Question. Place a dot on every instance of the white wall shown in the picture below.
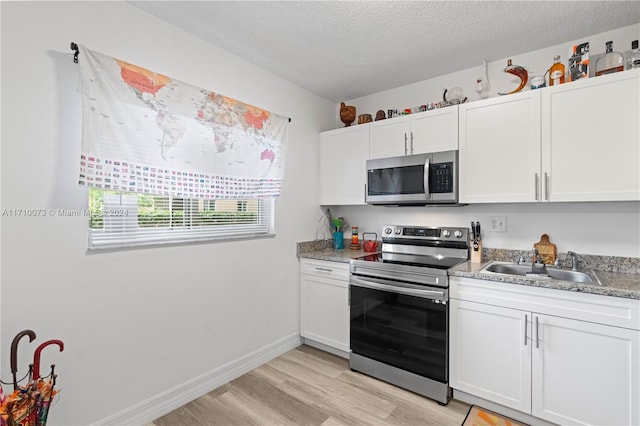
(588, 228)
(611, 229)
(140, 322)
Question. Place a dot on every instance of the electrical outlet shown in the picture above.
(498, 223)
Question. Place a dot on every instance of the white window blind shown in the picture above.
(119, 219)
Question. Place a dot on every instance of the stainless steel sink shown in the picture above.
(508, 268)
(573, 276)
(524, 269)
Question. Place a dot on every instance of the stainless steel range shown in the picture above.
(399, 308)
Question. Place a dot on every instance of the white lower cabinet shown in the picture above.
(488, 356)
(585, 373)
(324, 303)
(562, 357)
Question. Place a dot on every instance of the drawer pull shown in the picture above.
(323, 269)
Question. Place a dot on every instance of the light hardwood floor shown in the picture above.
(306, 386)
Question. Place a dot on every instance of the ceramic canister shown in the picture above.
(537, 82)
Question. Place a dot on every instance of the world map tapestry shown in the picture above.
(149, 133)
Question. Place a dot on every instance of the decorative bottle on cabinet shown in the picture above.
(611, 61)
(556, 72)
(634, 56)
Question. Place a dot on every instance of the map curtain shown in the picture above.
(149, 133)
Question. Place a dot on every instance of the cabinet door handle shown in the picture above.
(323, 269)
(526, 320)
(535, 184)
(546, 186)
(411, 143)
(405, 144)
(537, 340)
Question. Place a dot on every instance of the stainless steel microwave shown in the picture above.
(418, 179)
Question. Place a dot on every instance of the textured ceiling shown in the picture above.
(347, 49)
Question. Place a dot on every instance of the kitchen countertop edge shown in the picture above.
(614, 283)
(332, 255)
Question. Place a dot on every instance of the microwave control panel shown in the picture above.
(441, 178)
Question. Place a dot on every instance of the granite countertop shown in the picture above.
(618, 284)
(323, 250)
(619, 277)
(333, 255)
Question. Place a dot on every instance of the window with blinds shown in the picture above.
(119, 219)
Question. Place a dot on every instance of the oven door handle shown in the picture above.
(423, 293)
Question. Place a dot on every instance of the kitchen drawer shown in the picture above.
(606, 310)
(323, 268)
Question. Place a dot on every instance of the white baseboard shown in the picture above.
(326, 348)
(167, 401)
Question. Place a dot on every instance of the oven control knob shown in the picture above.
(387, 231)
(398, 231)
(446, 233)
(458, 234)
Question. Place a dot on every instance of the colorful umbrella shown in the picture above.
(29, 405)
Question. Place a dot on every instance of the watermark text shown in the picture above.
(51, 212)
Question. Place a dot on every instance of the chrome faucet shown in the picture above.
(537, 260)
(519, 260)
(574, 261)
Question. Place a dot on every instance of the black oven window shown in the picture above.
(407, 332)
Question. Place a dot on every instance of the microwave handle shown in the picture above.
(427, 165)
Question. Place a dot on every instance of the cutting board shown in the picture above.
(547, 250)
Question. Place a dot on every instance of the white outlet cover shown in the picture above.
(498, 223)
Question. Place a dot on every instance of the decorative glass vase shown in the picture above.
(338, 240)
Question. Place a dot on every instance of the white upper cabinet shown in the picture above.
(591, 139)
(343, 168)
(390, 137)
(435, 131)
(579, 141)
(500, 149)
(429, 131)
